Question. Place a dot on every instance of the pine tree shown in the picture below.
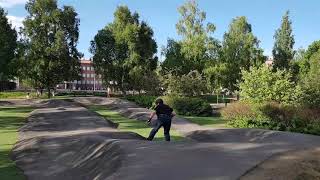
(283, 51)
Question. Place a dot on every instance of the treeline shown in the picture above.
(45, 53)
(124, 53)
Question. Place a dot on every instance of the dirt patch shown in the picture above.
(295, 165)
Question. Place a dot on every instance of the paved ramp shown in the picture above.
(65, 141)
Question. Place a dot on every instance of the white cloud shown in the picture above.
(16, 21)
(10, 3)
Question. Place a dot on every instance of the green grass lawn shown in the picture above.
(32, 95)
(216, 122)
(11, 118)
(132, 125)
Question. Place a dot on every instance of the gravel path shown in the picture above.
(63, 140)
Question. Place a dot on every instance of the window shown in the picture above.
(92, 75)
(83, 68)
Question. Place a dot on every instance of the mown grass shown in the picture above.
(131, 125)
(11, 118)
(216, 122)
(32, 95)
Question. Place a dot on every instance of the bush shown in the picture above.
(261, 84)
(213, 98)
(273, 116)
(142, 100)
(188, 106)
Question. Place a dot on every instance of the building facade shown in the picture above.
(89, 79)
(269, 61)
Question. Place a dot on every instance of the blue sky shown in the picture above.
(162, 15)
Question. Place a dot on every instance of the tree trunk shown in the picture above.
(49, 93)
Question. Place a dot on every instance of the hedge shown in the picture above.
(273, 116)
(189, 106)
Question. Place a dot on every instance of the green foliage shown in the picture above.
(175, 62)
(8, 44)
(261, 84)
(188, 106)
(311, 84)
(124, 52)
(273, 116)
(196, 41)
(216, 76)
(196, 47)
(143, 100)
(191, 84)
(213, 98)
(303, 58)
(240, 50)
(283, 51)
(51, 36)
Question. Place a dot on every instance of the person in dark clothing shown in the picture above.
(164, 114)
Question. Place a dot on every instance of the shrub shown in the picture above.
(273, 116)
(261, 84)
(142, 100)
(213, 98)
(245, 115)
(189, 106)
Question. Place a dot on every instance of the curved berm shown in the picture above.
(65, 141)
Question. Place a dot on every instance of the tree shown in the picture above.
(283, 51)
(216, 77)
(197, 44)
(52, 36)
(310, 82)
(124, 51)
(174, 62)
(240, 50)
(304, 64)
(8, 44)
(191, 84)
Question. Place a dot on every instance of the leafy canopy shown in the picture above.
(51, 36)
(124, 51)
(8, 44)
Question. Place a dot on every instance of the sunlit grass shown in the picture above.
(11, 119)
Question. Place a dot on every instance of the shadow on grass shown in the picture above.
(9, 122)
(22, 109)
(8, 170)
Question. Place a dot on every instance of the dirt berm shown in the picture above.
(64, 141)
